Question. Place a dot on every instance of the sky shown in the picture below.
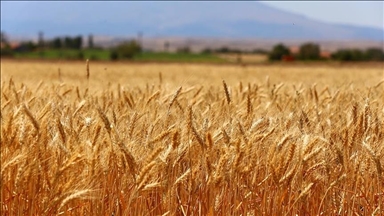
(43, 15)
(362, 13)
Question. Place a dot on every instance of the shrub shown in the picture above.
(309, 51)
(349, 55)
(126, 50)
(114, 55)
(184, 50)
(80, 55)
(278, 52)
(6, 51)
(374, 54)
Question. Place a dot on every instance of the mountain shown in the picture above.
(229, 19)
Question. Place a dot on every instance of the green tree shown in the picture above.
(223, 50)
(90, 41)
(4, 38)
(80, 55)
(126, 50)
(342, 55)
(349, 55)
(357, 55)
(77, 42)
(114, 55)
(68, 42)
(309, 51)
(6, 51)
(185, 49)
(27, 46)
(207, 51)
(73, 43)
(56, 43)
(278, 52)
(374, 54)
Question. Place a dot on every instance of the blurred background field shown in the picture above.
(181, 74)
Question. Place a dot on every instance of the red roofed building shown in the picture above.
(325, 54)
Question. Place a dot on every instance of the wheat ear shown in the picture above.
(226, 92)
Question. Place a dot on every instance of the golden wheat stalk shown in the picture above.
(87, 69)
(227, 96)
(174, 98)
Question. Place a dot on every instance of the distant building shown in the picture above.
(288, 58)
(295, 50)
(325, 54)
(13, 45)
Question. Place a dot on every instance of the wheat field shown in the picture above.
(184, 139)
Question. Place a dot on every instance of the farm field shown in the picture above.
(191, 139)
(104, 55)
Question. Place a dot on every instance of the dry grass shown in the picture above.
(191, 140)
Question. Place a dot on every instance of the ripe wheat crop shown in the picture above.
(160, 146)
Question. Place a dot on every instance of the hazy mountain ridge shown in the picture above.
(235, 20)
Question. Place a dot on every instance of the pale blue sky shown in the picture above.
(193, 18)
(365, 13)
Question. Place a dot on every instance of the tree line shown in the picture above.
(312, 52)
(130, 48)
(124, 50)
(66, 42)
